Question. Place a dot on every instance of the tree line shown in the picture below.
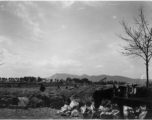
(68, 80)
(22, 79)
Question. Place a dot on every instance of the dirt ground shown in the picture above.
(38, 113)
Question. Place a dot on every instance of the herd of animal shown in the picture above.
(132, 97)
(122, 97)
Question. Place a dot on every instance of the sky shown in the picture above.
(41, 38)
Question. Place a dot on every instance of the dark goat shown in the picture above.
(99, 95)
(42, 87)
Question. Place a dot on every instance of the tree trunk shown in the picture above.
(147, 74)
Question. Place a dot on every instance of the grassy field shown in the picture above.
(39, 113)
(48, 112)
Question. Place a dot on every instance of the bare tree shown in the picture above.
(139, 41)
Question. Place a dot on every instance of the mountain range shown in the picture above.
(96, 78)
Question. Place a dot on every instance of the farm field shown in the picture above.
(40, 112)
(44, 105)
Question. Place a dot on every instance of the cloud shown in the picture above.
(31, 15)
(142, 77)
(63, 26)
(67, 4)
(5, 39)
(114, 17)
(11, 59)
(112, 47)
(23, 12)
(93, 3)
(81, 8)
(58, 62)
(113, 3)
(2, 7)
(99, 66)
(18, 62)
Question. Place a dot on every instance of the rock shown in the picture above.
(75, 113)
(23, 101)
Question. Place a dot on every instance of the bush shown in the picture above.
(53, 98)
(36, 102)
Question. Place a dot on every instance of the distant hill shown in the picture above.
(96, 78)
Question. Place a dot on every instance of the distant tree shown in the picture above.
(76, 80)
(85, 80)
(61, 80)
(115, 82)
(139, 41)
(51, 80)
(39, 79)
(57, 80)
(68, 79)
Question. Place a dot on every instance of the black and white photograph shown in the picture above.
(75, 59)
